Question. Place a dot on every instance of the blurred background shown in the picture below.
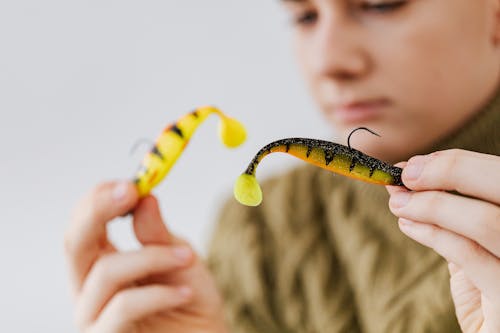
(82, 81)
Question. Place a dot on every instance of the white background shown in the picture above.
(82, 81)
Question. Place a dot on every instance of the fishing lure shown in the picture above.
(328, 155)
(170, 144)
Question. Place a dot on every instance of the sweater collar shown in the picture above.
(481, 133)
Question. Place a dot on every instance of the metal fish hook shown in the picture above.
(356, 129)
(141, 142)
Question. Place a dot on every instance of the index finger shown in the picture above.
(469, 173)
(86, 236)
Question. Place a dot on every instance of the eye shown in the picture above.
(306, 18)
(382, 7)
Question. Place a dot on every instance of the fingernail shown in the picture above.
(120, 191)
(414, 168)
(406, 223)
(407, 227)
(399, 199)
(182, 252)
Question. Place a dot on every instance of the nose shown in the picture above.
(338, 51)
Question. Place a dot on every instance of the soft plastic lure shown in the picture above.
(174, 138)
(331, 156)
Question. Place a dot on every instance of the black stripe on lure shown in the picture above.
(328, 155)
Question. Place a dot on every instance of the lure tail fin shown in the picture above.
(247, 190)
(231, 132)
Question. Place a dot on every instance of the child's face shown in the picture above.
(412, 70)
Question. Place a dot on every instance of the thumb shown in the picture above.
(148, 223)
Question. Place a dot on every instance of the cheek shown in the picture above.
(415, 71)
(305, 62)
(444, 55)
(434, 69)
(300, 53)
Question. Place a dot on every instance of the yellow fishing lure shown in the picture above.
(174, 138)
(331, 156)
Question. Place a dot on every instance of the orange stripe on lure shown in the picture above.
(328, 155)
(174, 138)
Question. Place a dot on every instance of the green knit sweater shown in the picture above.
(324, 254)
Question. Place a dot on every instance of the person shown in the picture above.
(324, 253)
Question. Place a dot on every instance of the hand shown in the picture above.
(465, 230)
(163, 287)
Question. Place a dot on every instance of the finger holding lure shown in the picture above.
(171, 142)
(328, 155)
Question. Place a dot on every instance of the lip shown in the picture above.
(359, 111)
